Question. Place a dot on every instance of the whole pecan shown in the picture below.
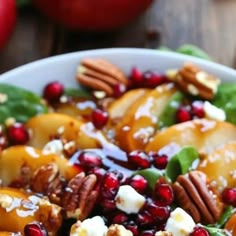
(196, 82)
(79, 196)
(195, 196)
(100, 75)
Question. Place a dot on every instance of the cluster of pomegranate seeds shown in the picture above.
(229, 196)
(17, 134)
(35, 229)
(189, 112)
(142, 160)
(53, 91)
(147, 79)
(99, 118)
(199, 231)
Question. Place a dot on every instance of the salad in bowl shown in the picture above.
(118, 142)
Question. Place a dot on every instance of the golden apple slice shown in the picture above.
(46, 127)
(141, 119)
(205, 135)
(120, 106)
(16, 160)
(220, 166)
(17, 208)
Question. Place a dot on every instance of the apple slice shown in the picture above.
(220, 166)
(18, 159)
(141, 120)
(18, 208)
(119, 107)
(46, 127)
(205, 135)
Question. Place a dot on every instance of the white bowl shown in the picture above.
(35, 75)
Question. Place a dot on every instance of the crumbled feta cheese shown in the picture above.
(180, 223)
(90, 227)
(55, 147)
(129, 200)
(213, 112)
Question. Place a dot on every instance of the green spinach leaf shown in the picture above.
(182, 162)
(225, 99)
(19, 103)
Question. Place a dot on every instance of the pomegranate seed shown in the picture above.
(136, 77)
(159, 213)
(89, 160)
(183, 115)
(139, 159)
(197, 109)
(160, 161)
(151, 80)
(132, 227)
(118, 89)
(18, 134)
(144, 219)
(164, 194)
(148, 233)
(99, 172)
(120, 218)
(229, 196)
(53, 91)
(99, 118)
(199, 231)
(3, 140)
(35, 229)
(139, 183)
(110, 185)
(108, 205)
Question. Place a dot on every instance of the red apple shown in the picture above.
(95, 15)
(7, 20)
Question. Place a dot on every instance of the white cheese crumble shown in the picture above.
(90, 227)
(129, 200)
(180, 223)
(54, 147)
(213, 112)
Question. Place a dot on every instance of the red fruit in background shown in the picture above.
(7, 20)
(93, 15)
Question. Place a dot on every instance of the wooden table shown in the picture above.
(209, 24)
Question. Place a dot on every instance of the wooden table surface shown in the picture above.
(209, 24)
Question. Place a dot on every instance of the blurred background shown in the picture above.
(69, 27)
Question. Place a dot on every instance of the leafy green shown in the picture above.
(167, 117)
(189, 49)
(20, 103)
(225, 99)
(214, 231)
(77, 93)
(151, 175)
(181, 162)
(224, 217)
(193, 50)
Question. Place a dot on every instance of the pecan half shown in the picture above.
(100, 75)
(118, 230)
(196, 197)
(48, 181)
(196, 82)
(79, 196)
